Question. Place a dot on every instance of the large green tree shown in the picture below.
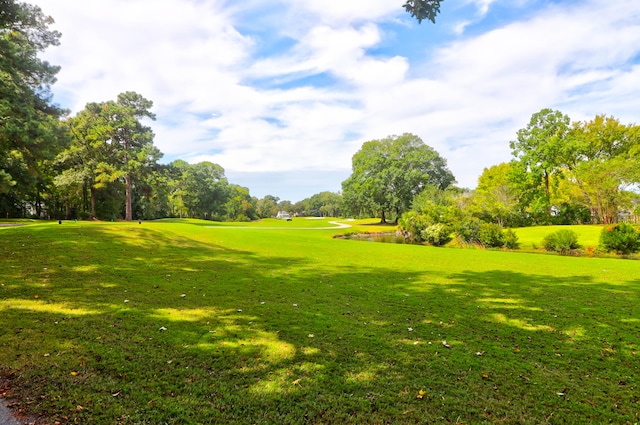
(495, 197)
(240, 205)
(605, 164)
(267, 206)
(111, 144)
(323, 204)
(86, 162)
(29, 126)
(389, 173)
(197, 190)
(206, 190)
(131, 142)
(540, 150)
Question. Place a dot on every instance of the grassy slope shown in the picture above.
(530, 237)
(291, 326)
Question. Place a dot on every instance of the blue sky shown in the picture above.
(282, 93)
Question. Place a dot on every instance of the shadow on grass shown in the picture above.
(133, 325)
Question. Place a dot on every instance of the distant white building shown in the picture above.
(283, 215)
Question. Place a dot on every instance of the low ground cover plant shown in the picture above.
(182, 322)
(562, 241)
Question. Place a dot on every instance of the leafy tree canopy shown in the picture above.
(423, 9)
(28, 120)
(389, 173)
(541, 151)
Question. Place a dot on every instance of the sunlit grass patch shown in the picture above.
(524, 324)
(186, 314)
(531, 238)
(41, 306)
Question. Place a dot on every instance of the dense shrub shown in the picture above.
(84, 215)
(562, 241)
(242, 218)
(491, 235)
(622, 238)
(469, 231)
(411, 225)
(437, 234)
(511, 239)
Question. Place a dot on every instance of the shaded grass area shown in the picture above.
(180, 323)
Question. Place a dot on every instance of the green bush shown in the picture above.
(437, 234)
(562, 241)
(84, 215)
(469, 231)
(411, 225)
(491, 235)
(511, 239)
(622, 238)
(242, 218)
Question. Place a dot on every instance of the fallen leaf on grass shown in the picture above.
(74, 373)
(421, 394)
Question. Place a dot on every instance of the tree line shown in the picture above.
(102, 163)
(562, 172)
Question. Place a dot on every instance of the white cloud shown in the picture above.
(483, 6)
(224, 94)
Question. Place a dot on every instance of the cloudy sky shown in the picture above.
(282, 93)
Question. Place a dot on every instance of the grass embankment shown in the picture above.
(183, 323)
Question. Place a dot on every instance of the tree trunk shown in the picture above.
(85, 199)
(38, 205)
(127, 183)
(383, 220)
(547, 192)
(92, 192)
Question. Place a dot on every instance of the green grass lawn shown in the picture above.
(189, 322)
(530, 238)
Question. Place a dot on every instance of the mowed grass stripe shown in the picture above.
(178, 322)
